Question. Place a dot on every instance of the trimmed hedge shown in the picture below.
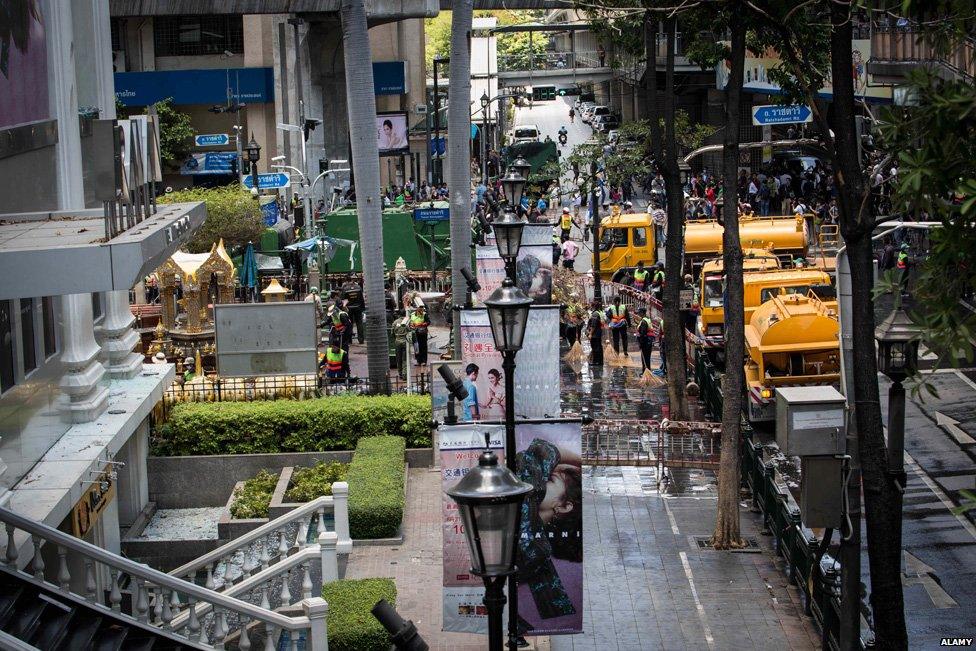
(316, 425)
(376, 491)
(350, 624)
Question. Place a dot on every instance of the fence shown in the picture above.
(905, 46)
(673, 444)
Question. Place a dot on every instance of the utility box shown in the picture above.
(821, 491)
(810, 421)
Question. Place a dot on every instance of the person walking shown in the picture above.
(594, 329)
(662, 371)
(570, 251)
(619, 319)
(401, 340)
(572, 115)
(657, 282)
(566, 223)
(645, 338)
(419, 322)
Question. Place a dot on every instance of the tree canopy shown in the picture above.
(232, 215)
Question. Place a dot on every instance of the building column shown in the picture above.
(118, 337)
(64, 103)
(133, 482)
(85, 397)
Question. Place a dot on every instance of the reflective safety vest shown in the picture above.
(566, 221)
(902, 261)
(640, 276)
(618, 315)
(659, 277)
(333, 361)
(417, 321)
(649, 325)
(337, 323)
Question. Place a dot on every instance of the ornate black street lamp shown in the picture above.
(489, 500)
(252, 153)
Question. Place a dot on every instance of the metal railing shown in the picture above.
(157, 599)
(668, 444)
(552, 61)
(894, 45)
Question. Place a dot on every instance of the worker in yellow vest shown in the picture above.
(619, 319)
(336, 361)
(566, 222)
(640, 277)
(419, 322)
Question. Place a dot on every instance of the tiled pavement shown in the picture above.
(646, 584)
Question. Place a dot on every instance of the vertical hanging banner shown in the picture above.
(536, 372)
(533, 268)
(462, 591)
(550, 579)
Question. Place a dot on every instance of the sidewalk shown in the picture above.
(647, 586)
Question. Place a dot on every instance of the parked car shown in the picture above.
(525, 133)
(604, 123)
(585, 97)
(612, 136)
(596, 112)
(583, 108)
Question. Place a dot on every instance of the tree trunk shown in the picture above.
(650, 85)
(674, 338)
(727, 534)
(361, 101)
(881, 506)
(459, 156)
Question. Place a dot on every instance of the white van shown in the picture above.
(525, 133)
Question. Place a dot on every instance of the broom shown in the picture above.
(608, 353)
(648, 379)
(575, 353)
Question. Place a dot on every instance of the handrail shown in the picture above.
(161, 579)
(254, 581)
(252, 536)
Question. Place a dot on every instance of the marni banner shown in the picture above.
(536, 371)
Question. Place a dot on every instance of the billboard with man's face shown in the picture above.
(391, 134)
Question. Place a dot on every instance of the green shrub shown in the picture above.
(253, 498)
(376, 492)
(330, 423)
(308, 484)
(350, 624)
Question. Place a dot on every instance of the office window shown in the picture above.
(7, 376)
(27, 334)
(50, 336)
(196, 35)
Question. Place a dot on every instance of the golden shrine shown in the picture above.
(187, 324)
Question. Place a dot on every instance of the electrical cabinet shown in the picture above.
(821, 491)
(810, 421)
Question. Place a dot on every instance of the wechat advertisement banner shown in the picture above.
(536, 371)
(463, 592)
(533, 268)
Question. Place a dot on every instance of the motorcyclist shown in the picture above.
(563, 134)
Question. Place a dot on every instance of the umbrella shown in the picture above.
(249, 270)
(328, 245)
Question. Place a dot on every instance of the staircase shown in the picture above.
(51, 622)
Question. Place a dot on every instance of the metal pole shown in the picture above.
(495, 602)
(484, 145)
(437, 124)
(595, 216)
(508, 366)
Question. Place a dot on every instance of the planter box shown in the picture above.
(398, 539)
(230, 528)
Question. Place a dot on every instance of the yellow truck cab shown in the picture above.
(626, 239)
(791, 340)
(711, 290)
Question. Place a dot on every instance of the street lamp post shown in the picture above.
(508, 315)
(508, 229)
(489, 500)
(897, 338)
(595, 218)
(253, 153)
(485, 101)
(438, 164)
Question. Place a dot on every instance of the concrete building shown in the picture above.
(283, 69)
(78, 229)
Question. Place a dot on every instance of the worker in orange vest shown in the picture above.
(336, 362)
(619, 319)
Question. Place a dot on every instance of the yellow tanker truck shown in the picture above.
(629, 238)
(791, 340)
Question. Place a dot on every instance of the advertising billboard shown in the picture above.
(391, 134)
(23, 63)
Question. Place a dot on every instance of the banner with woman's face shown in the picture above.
(391, 134)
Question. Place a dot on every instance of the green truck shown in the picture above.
(544, 159)
(419, 235)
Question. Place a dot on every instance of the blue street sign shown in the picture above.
(210, 139)
(431, 214)
(774, 114)
(270, 181)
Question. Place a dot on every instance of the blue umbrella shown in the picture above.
(249, 270)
